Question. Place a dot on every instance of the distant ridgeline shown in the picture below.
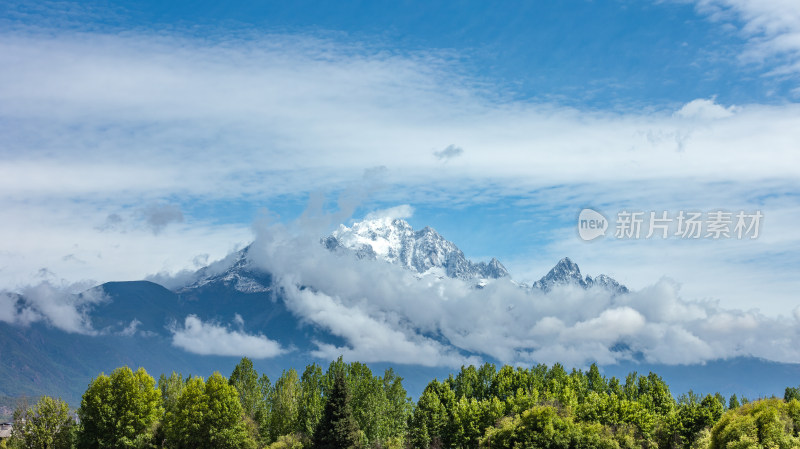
(347, 406)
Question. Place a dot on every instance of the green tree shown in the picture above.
(486, 374)
(654, 393)
(791, 393)
(170, 388)
(544, 427)
(224, 424)
(289, 442)
(337, 429)
(691, 417)
(631, 387)
(312, 401)
(597, 382)
(504, 383)
(467, 423)
(46, 425)
(733, 402)
(254, 403)
(284, 402)
(245, 379)
(769, 423)
(367, 401)
(184, 423)
(263, 421)
(614, 387)
(398, 405)
(432, 421)
(119, 411)
(466, 383)
(207, 415)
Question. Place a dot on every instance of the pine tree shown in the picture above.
(337, 429)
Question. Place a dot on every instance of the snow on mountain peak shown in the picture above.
(424, 251)
(567, 272)
(384, 235)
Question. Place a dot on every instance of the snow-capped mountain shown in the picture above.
(235, 271)
(567, 272)
(424, 251)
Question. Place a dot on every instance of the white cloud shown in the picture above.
(704, 109)
(213, 339)
(772, 28)
(13, 311)
(402, 211)
(370, 339)
(131, 329)
(384, 313)
(94, 127)
(238, 320)
(64, 307)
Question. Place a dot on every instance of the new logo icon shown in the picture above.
(591, 224)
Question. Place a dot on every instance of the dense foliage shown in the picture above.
(346, 406)
(545, 407)
(46, 425)
(769, 423)
(119, 411)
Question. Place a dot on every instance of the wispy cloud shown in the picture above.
(448, 152)
(208, 338)
(157, 216)
(402, 211)
(64, 307)
(772, 28)
(97, 126)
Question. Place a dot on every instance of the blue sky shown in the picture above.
(618, 54)
(140, 137)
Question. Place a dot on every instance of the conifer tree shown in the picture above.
(338, 428)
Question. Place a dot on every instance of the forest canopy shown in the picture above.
(347, 406)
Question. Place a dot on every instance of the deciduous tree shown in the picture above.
(119, 411)
(46, 425)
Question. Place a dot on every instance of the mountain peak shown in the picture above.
(567, 264)
(424, 251)
(235, 271)
(567, 272)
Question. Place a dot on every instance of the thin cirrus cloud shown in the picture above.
(771, 27)
(95, 124)
(169, 104)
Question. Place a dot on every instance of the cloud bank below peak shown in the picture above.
(383, 313)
